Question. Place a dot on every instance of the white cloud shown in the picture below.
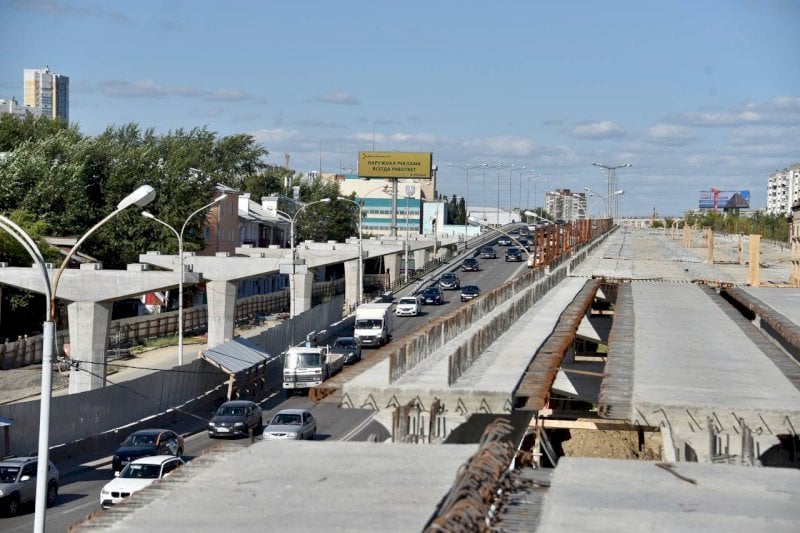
(605, 129)
(669, 134)
(778, 110)
(337, 97)
(276, 136)
(152, 89)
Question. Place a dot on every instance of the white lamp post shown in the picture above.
(149, 215)
(604, 199)
(360, 248)
(475, 222)
(141, 196)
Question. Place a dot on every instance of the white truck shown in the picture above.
(305, 368)
(374, 324)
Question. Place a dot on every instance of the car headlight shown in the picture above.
(105, 492)
(211, 424)
(1, 493)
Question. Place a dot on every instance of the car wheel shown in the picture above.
(260, 427)
(52, 493)
(12, 505)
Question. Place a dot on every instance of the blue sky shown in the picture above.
(693, 94)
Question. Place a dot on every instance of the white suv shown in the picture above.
(407, 306)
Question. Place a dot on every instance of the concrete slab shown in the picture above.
(616, 496)
(785, 301)
(296, 486)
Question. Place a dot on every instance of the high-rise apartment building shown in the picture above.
(783, 190)
(12, 107)
(563, 204)
(47, 91)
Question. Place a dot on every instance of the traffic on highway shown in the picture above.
(79, 492)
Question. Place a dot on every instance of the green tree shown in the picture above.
(15, 131)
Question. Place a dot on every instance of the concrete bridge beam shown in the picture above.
(351, 285)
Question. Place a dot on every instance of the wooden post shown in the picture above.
(754, 271)
(741, 249)
(687, 236)
(710, 244)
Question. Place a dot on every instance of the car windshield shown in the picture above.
(448, 278)
(139, 439)
(430, 292)
(407, 301)
(344, 343)
(141, 471)
(231, 410)
(8, 474)
(513, 250)
(369, 323)
(286, 419)
(302, 360)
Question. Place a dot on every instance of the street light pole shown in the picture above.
(142, 196)
(360, 248)
(611, 177)
(510, 184)
(467, 167)
(498, 191)
(181, 266)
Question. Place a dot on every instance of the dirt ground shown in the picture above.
(611, 444)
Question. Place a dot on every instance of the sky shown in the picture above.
(693, 94)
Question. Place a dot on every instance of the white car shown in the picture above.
(407, 306)
(136, 476)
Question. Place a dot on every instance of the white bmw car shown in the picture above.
(136, 476)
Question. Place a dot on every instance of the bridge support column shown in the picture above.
(303, 284)
(351, 284)
(393, 264)
(421, 257)
(221, 310)
(89, 322)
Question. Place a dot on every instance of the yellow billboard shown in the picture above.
(409, 165)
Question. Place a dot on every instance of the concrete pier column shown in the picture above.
(221, 310)
(393, 264)
(303, 285)
(351, 283)
(421, 257)
(88, 322)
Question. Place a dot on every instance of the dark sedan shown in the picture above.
(514, 254)
(468, 292)
(432, 295)
(147, 442)
(470, 264)
(236, 418)
(348, 347)
(487, 252)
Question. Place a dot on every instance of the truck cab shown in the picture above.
(373, 324)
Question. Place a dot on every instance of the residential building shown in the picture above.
(783, 190)
(48, 92)
(11, 106)
(563, 204)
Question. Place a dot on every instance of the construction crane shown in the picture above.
(715, 192)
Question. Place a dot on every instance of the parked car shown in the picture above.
(470, 264)
(514, 254)
(407, 306)
(236, 418)
(349, 349)
(136, 476)
(432, 295)
(504, 240)
(468, 292)
(147, 442)
(291, 424)
(487, 252)
(449, 281)
(18, 483)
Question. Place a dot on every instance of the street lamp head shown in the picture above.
(220, 197)
(148, 214)
(619, 192)
(530, 214)
(141, 197)
(473, 221)
(326, 200)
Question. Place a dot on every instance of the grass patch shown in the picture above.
(163, 342)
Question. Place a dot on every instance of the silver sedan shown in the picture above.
(291, 424)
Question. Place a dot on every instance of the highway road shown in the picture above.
(79, 494)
